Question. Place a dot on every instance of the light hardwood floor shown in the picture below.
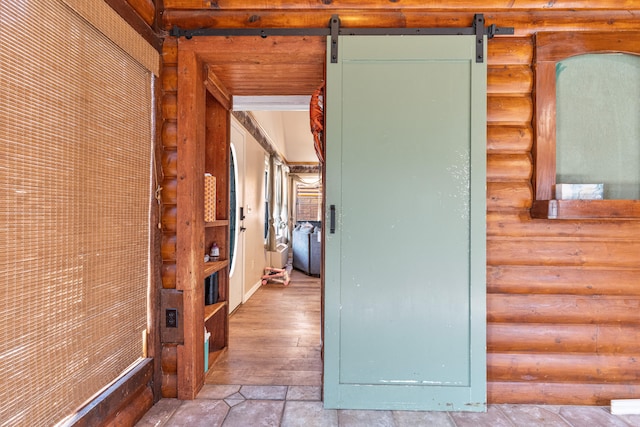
(274, 338)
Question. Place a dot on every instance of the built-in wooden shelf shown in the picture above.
(212, 267)
(217, 223)
(586, 209)
(210, 310)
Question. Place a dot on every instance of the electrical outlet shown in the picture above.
(171, 318)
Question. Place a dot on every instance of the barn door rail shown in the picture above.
(477, 28)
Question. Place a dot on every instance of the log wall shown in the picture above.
(563, 301)
(169, 195)
(562, 296)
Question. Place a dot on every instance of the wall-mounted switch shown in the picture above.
(171, 317)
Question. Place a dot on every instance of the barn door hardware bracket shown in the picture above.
(334, 25)
(478, 28)
(334, 30)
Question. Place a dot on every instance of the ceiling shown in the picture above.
(274, 66)
(290, 132)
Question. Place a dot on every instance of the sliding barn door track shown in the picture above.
(334, 30)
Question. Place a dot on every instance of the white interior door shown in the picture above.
(236, 276)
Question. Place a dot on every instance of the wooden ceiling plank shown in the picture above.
(215, 86)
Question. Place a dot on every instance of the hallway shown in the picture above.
(271, 376)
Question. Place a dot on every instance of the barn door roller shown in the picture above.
(477, 28)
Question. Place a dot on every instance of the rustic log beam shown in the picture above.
(520, 5)
(509, 167)
(559, 393)
(524, 24)
(170, 134)
(170, 163)
(509, 109)
(509, 196)
(556, 338)
(503, 51)
(562, 309)
(509, 139)
(565, 367)
(136, 21)
(509, 225)
(145, 8)
(168, 275)
(562, 280)
(169, 190)
(541, 338)
(586, 209)
(169, 79)
(567, 252)
(509, 79)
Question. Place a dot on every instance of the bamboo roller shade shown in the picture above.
(75, 132)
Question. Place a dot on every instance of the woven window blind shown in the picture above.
(76, 140)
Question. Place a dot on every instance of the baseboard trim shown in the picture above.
(625, 406)
(123, 403)
(251, 291)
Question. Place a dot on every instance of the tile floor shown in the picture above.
(287, 406)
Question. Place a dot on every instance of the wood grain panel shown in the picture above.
(554, 338)
(169, 198)
(509, 139)
(553, 47)
(509, 79)
(521, 5)
(508, 196)
(169, 106)
(563, 309)
(509, 167)
(170, 163)
(567, 367)
(169, 52)
(510, 51)
(562, 280)
(169, 386)
(509, 109)
(523, 24)
(168, 275)
(507, 224)
(168, 248)
(145, 8)
(169, 218)
(169, 192)
(512, 251)
(169, 134)
(560, 393)
(266, 79)
(169, 79)
(619, 339)
(542, 338)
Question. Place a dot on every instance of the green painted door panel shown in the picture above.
(405, 268)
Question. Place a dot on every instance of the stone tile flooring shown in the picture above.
(288, 406)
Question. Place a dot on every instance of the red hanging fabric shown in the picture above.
(316, 114)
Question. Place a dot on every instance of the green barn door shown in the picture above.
(405, 264)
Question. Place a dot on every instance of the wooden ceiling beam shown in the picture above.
(435, 5)
(219, 91)
(523, 23)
